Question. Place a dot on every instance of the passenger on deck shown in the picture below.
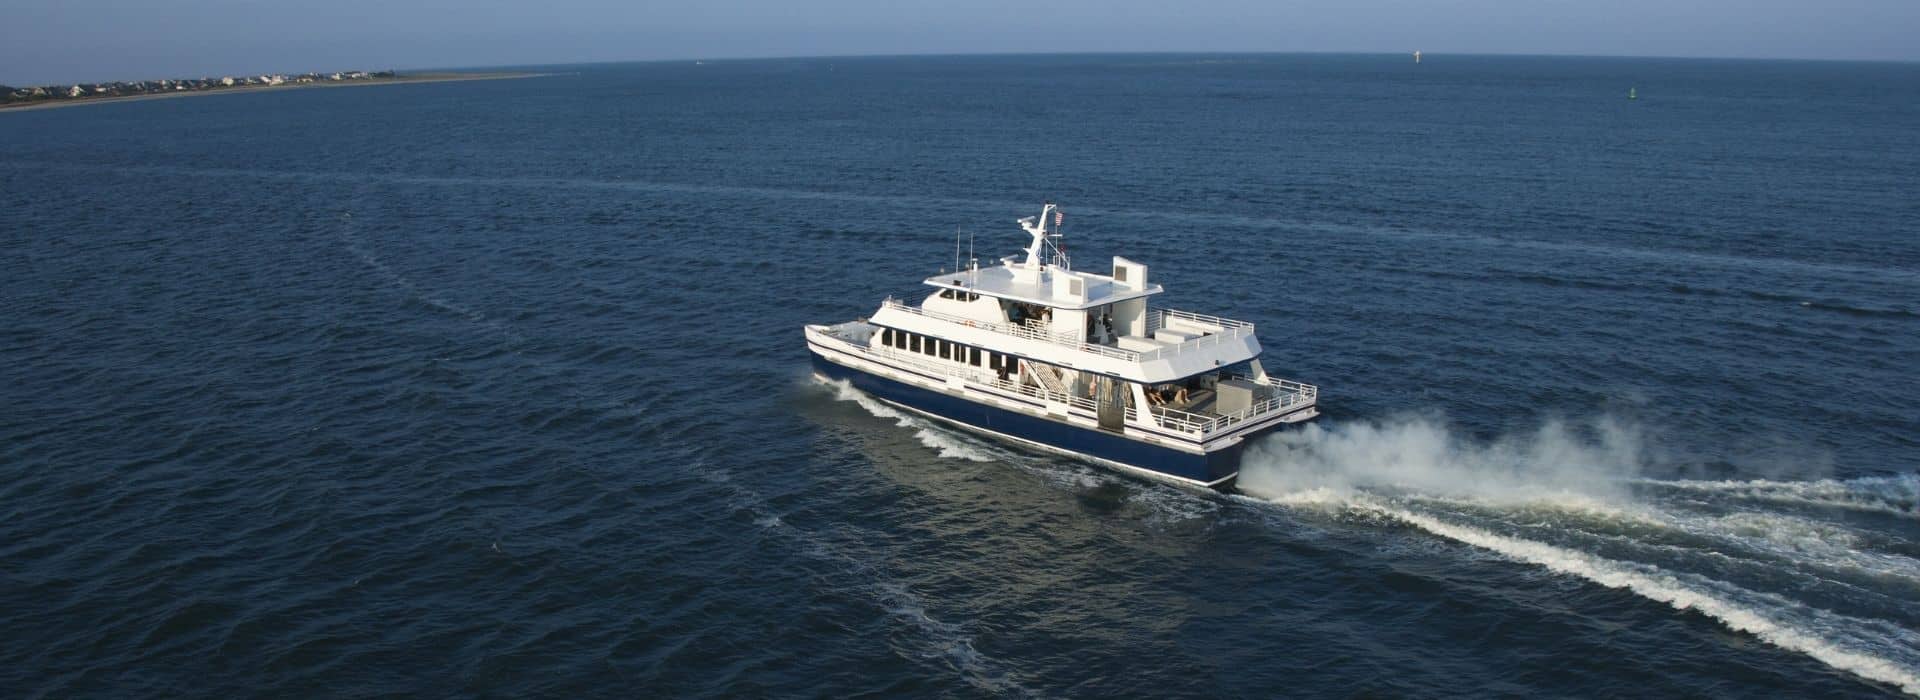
(1167, 395)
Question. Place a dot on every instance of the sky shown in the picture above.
(56, 41)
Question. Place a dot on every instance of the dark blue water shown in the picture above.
(497, 388)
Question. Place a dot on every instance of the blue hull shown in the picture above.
(1217, 468)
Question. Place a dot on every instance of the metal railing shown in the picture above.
(1157, 319)
(1043, 393)
(1019, 330)
(1285, 394)
(1218, 330)
(978, 376)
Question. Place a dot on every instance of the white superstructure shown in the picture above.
(1112, 378)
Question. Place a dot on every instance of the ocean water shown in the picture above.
(497, 388)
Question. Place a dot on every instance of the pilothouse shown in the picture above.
(1036, 353)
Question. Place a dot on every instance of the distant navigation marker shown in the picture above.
(1633, 93)
(1416, 57)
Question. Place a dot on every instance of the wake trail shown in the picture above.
(946, 444)
(351, 241)
(1573, 492)
(942, 641)
(1893, 495)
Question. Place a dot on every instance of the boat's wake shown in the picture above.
(1828, 568)
(938, 440)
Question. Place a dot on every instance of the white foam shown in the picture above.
(1894, 495)
(1803, 542)
(1400, 469)
(943, 443)
(1422, 454)
(1653, 583)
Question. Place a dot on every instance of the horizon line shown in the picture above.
(948, 54)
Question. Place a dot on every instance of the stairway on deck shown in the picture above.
(1047, 377)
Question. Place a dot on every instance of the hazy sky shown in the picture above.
(43, 41)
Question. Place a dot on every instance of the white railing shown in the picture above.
(1042, 393)
(1284, 394)
(1018, 330)
(976, 375)
(1218, 331)
(1157, 319)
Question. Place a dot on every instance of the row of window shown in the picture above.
(945, 350)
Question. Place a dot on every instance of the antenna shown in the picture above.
(956, 248)
(973, 264)
(1060, 229)
(1056, 237)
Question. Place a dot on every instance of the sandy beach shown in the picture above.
(442, 77)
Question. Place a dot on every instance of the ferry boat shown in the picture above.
(1036, 353)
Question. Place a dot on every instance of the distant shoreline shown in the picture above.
(443, 77)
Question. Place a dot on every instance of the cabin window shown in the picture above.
(886, 336)
(975, 354)
(945, 349)
(931, 347)
(913, 343)
(900, 339)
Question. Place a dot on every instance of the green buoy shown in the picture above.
(1632, 94)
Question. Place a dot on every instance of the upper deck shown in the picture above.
(1170, 344)
(1053, 287)
(1042, 309)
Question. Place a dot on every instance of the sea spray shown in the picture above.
(1423, 454)
(1861, 647)
(946, 445)
(1417, 471)
(1893, 495)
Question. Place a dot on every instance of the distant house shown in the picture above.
(76, 91)
(228, 82)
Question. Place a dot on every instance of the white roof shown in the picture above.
(1001, 282)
